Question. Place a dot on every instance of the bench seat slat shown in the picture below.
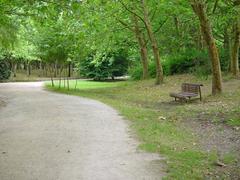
(188, 94)
(188, 90)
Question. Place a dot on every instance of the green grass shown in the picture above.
(233, 122)
(157, 122)
(84, 84)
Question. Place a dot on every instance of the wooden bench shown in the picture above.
(188, 91)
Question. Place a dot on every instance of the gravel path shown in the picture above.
(48, 136)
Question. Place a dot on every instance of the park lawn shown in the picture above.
(160, 123)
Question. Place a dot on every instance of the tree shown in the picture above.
(142, 45)
(199, 7)
(235, 49)
(145, 19)
(159, 69)
(5, 70)
(100, 66)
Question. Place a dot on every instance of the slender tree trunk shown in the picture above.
(64, 78)
(200, 38)
(46, 70)
(40, 69)
(199, 8)
(76, 84)
(29, 68)
(60, 78)
(142, 45)
(51, 74)
(226, 46)
(14, 69)
(235, 50)
(69, 69)
(25, 66)
(68, 83)
(159, 70)
(55, 68)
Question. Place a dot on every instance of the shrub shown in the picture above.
(186, 62)
(136, 71)
(190, 61)
(103, 66)
(5, 70)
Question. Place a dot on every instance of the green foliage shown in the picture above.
(5, 70)
(136, 71)
(189, 61)
(102, 66)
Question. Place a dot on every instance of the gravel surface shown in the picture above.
(48, 136)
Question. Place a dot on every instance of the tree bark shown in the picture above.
(159, 69)
(55, 68)
(226, 46)
(14, 69)
(52, 74)
(29, 68)
(40, 69)
(142, 45)
(235, 50)
(200, 39)
(69, 69)
(200, 10)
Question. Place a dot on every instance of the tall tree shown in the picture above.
(235, 49)
(199, 7)
(152, 38)
(142, 45)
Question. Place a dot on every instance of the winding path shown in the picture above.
(48, 136)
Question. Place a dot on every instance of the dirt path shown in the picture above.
(46, 136)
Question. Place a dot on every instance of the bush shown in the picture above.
(186, 62)
(136, 71)
(190, 61)
(103, 66)
(5, 70)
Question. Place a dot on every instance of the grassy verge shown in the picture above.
(158, 122)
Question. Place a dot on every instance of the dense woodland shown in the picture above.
(103, 39)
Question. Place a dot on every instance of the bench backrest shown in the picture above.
(191, 88)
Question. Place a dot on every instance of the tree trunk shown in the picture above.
(55, 68)
(159, 70)
(14, 69)
(69, 69)
(29, 68)
(68, 83)
(52, 73)
(200, 39)
(199, 8)
(60, 78)
(142, 45)
(76, 84)
(40, 69)
(235, 50)
(226, 46)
